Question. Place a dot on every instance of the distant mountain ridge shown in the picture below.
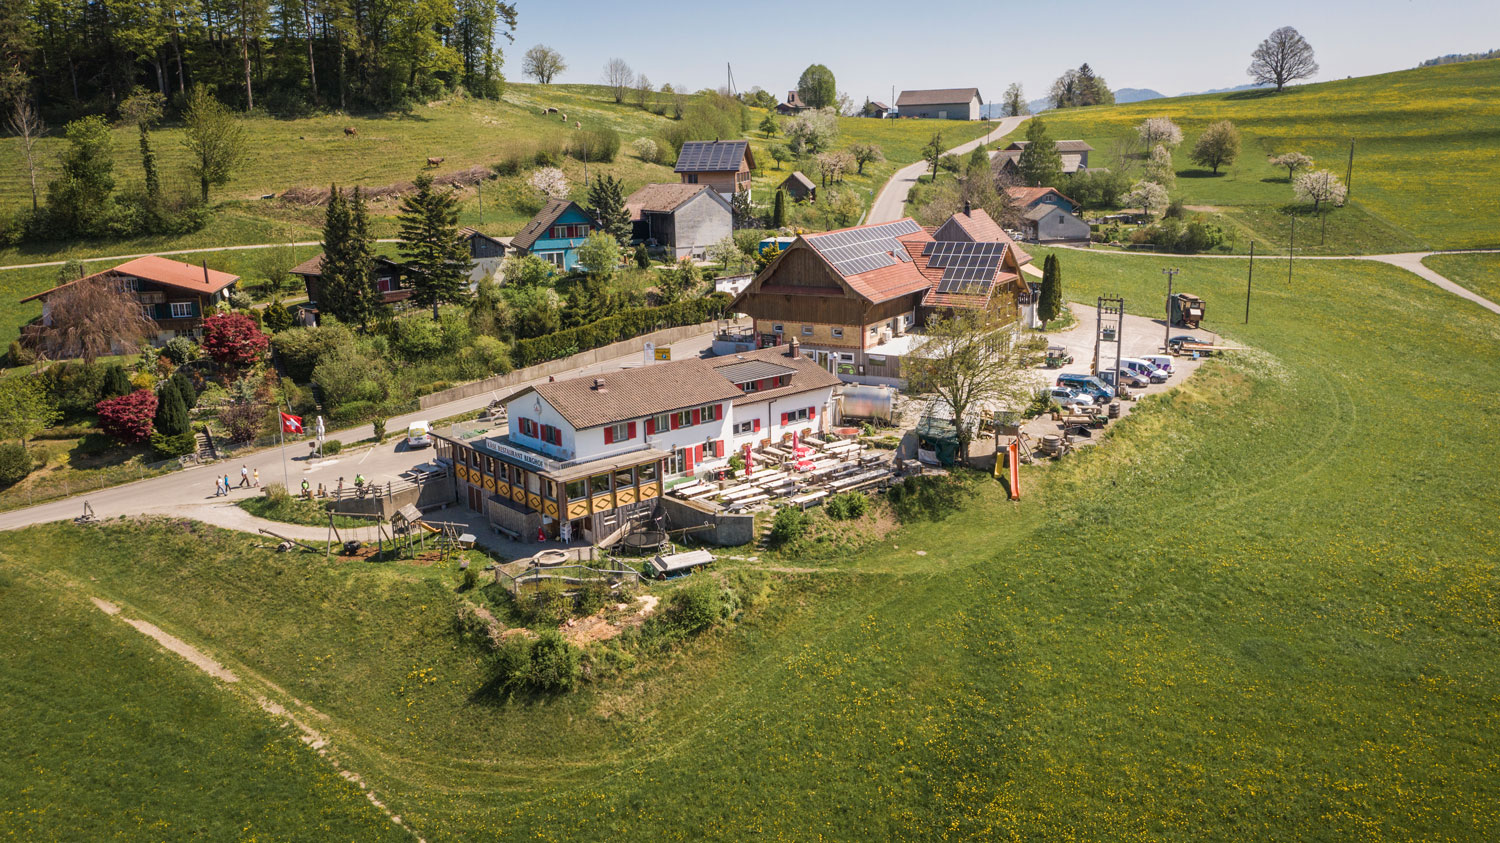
(1125, 95)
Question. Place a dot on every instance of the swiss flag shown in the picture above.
(291, 423)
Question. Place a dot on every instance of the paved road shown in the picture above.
(891, 203)
(190, 492)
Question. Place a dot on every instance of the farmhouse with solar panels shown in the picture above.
(723, 165)
(591, 451)
(857, 298)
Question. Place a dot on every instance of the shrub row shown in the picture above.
(621, 326)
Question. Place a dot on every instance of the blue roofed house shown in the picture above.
(556, 232)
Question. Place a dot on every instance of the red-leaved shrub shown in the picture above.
(232, 339)
(128, 418)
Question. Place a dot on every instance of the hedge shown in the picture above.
(621, 326)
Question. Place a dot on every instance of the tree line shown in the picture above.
(284, 56)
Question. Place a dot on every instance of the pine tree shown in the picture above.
(346, 289)
(435, 256)
(642, 259)
(1051, 304)
(778, 210)
(740, 207)
(171, 413)
(185, 389)
(116, 382)
(607, 203)
(1040, 163)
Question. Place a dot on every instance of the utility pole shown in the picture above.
(1166, 340)
(479, 186)
(1248, 279)
(1291, 247)
(1349, 174)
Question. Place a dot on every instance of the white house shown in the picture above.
(587, 452)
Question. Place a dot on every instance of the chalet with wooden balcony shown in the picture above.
(175, 296)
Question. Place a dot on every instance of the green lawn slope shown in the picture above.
(1426, 156)
(1264, 608)
(1480, 273)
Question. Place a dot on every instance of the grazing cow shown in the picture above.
(565, 118)
(551, 109)
(577, 125)
(349, 132)
(433, 162)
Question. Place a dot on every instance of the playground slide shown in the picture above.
(428, 527)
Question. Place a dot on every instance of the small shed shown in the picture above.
(677, 564)
(799, 187)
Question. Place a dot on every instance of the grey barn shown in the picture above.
(684, 219)
(940, 104)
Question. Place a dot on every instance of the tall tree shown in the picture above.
(618, 77)
(25, 408)
(79, 199)
(1292, 161)
(436, 260)
(143, 108)
(1050, 305)
(90, 319)
(817, 88)
(1014, 101)
(1040, 164)
(607, 202)
(542, 63)
(1218, 145)
(778, 210)
(932, 153)
(214, 138)
(1080, 87)
(864, 153)
(1283, 57)
(27, 126)
(171, 410)
(346, 289)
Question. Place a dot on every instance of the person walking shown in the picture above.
(218, 486)
(244, 476)
(226, 484)
(257, 478)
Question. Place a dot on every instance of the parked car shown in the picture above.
(1069, 397)
(418, 435)
(1129, 378)
(1088, 385)
(1178, 340)
(1160, 361)
(1155, 373)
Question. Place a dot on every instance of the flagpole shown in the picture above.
(286, 478)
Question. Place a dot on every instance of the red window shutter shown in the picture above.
(698, 453)
(687, 455)
(651, 426)
(812, 413)
(674, 421)
(609, 435)
(757, 426)
(630, 431)
(697, 416)
(718, 447)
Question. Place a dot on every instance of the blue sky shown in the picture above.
(1173, 46)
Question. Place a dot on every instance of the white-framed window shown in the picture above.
(907, 319)
(797, 415)
(838, 333)
(709, 412)
(778, 328)
(554, 258)
(619, 432)
(744, 427)
(661, 423)
(146, 311)
(750, 386)
(874, 330)
(846, 357)
(806, 330)
(684, 418)
(877, 359)
(677, 461)
(182, 309)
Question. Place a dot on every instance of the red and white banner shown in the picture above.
(291, 423)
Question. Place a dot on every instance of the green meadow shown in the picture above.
(1265, 607)
(1426, 169)
(1480, 273)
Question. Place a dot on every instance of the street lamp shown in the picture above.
(1166, 343)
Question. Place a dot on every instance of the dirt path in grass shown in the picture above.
(314, 739)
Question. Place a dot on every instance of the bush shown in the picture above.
(470, 579)
(701, 605)
(15, 463)
(789, 525)
(233, 339)
(347, 377)
(77, 387)
(169, 447)
(242, 420)
(847, 505)
(417, 339)
(621, 326)
(128, 418)
(332, 446)
(379, 426)
(554, 664)
(595, 145)
(19, 355)
(180, 350)
(300, 349)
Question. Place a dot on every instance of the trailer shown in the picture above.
(1187, 310)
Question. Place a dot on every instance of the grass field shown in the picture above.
(1480, 273)
(1426, 166)
(1266, 608)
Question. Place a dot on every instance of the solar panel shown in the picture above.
(945, 253)
(710, 156)
(857, 250)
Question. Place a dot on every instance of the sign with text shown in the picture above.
(664, 353)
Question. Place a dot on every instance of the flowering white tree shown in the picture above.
(645, 149)
(551, 181)
(1292, 161)
(1159, 167)
(1155, 131)
(1151, 196)
(1320, 187)
(812, 131)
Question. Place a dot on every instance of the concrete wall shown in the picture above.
(565, 365)
(703, 221)
(725, 530)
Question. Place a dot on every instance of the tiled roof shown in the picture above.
(711, 156)
(799, 178)
(168, 273)
(542, 221)
(936, 96)
(744, 371)
(661, 198)
(808, 374)
(314, 265)
(634, 393)
(982, 228)
(1062, 146)
(1029, 196)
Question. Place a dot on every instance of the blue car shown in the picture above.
(1088, 385)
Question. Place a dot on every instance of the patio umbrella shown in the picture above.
(749, 460)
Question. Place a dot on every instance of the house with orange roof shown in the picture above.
(1047, 216)
(856, 299)
(175, 296)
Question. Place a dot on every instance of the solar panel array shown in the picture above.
(859, 250)
(710, 156)
(968, 268)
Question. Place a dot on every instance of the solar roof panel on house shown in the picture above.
(968, 268)
(856, 250)
(710, 156)
(943, 253)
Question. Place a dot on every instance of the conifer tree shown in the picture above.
(436, 259)
(185, 389)
(1051, 303)
(171, 413)
(1040, 163)
(778, 210)
(607, 203)
(346, 289)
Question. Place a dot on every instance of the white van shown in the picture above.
(418, 435)
(1147, 370)
(1160, 361)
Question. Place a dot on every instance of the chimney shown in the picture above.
(599, 385)
(794, 349)
(967, 210)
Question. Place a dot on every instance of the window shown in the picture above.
(806, 330)
(877, 359)
(838, 333)
(677, 461)
(751, 386)
(554, 258)
(846, 357)
(796, 415)
(744, 427)
(658, 423)
(682, 419)
(624, 478)
(777, 329)
(709, 412)
(872, 330)
(575, 489)
(646, 473)
(549, 490)
(692, 178)
(622, 432)
(599, 484)
(146, 311)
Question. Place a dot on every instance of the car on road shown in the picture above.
(1177, 341)
(1144, 367)
(1127, 377)
(1088, 385)
(1160, 361)
(418, 435)
(1069, 397)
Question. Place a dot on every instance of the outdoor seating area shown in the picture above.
(799, 472)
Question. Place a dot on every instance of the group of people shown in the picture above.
(248, 478)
